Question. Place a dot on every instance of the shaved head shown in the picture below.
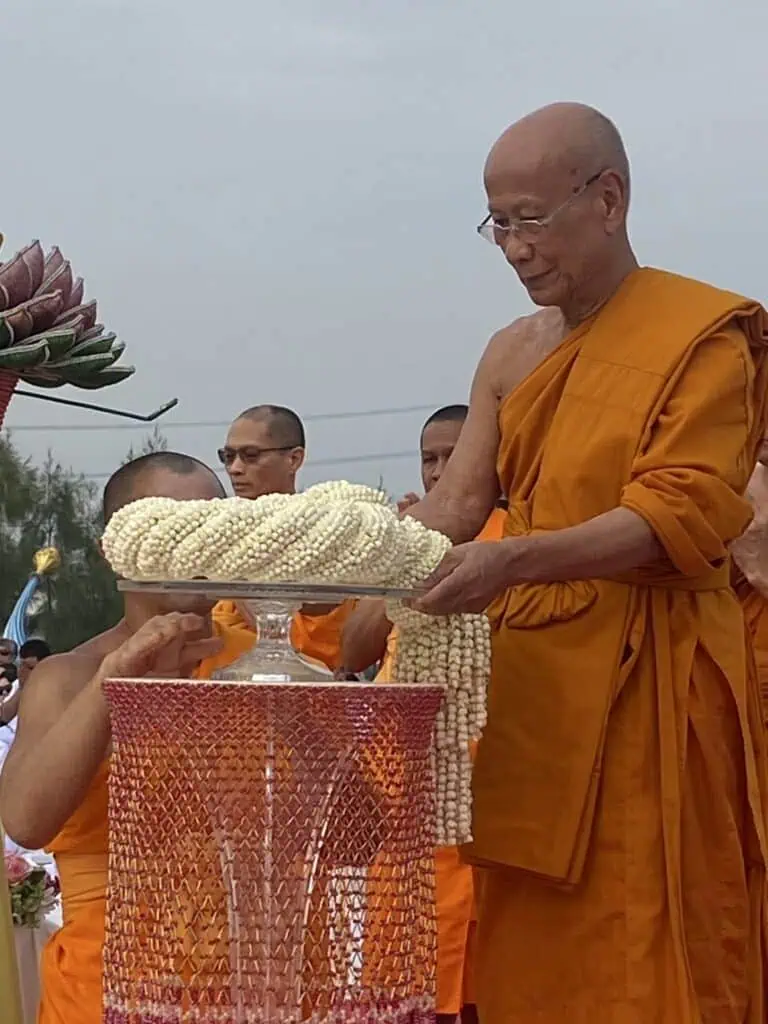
(283, 425)
(439, 437)
(558, 196)
(160, 475)
(448, 414)
(575, 138)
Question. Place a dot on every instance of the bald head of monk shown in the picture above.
(162, 475)
(439, 436)
(558, 196)
(264, 451)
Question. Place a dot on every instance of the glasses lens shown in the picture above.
(489, 232)
(225, 456)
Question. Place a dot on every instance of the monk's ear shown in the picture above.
(296, 458)
(614, 198)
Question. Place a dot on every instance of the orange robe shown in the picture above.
(620, 783)
(71, 967)
(454, 891)
(317, 637)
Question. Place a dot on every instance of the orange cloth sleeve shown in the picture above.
(686, 483)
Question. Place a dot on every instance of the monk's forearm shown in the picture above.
(606, 546)
(43, 785)
(461, 519)
(364, 636)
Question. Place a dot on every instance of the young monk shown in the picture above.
(53, 790)
(263, 453)
(367, 638)
(620, 783)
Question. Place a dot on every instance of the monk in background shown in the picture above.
(750, 556)
(368, 638)
(263, 453)
(620, 783)
(53, 788)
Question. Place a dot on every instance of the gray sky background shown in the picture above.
(276, 202)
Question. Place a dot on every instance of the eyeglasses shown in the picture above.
(528, 229)
(249, 454)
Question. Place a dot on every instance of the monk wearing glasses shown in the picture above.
(263, 453)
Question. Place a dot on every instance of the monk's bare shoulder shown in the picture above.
(57, 680)
(517, 349)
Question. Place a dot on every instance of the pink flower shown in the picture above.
(17, 868)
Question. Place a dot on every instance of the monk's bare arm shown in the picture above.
(61, 739)
(608, 545)
(461, 502)
(364, 637)
(685, 501)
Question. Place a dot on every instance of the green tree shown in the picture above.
(154, 442)
(52, 506)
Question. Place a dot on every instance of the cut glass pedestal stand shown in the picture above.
(271, 838)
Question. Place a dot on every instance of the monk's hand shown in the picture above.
(408, 501)
(469, 577)
(168, 646)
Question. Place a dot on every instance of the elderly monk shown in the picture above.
(367, 638)
(619, 788)
(263, 453)
(750, 555)
(53, 790)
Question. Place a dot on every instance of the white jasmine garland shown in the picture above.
(335, 532)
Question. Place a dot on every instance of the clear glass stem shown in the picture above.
(272, 659)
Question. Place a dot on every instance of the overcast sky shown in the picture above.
(276, 202)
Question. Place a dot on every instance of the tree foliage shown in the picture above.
(154, 442)
(50, 505)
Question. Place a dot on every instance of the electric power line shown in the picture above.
(341, 460)
(208, 424)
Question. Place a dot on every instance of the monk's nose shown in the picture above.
(515, 250)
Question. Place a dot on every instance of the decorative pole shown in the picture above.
(48, 337)
(46, 562)
(9, 976)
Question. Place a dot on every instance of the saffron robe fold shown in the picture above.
(620, 784)
(71, 964)
(454, 890)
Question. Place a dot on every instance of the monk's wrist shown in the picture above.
(520, 558)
